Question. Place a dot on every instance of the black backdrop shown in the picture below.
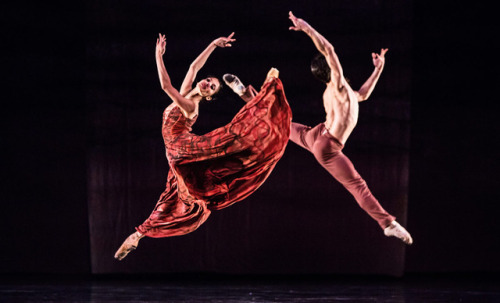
(301, 220)
(50, 137)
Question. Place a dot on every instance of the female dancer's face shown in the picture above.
(209, 86)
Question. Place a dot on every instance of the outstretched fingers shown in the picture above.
(383, 51)
(161, 42)
(161, 39)
(225, 41)
(294, 20)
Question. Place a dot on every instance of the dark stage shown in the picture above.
(83, 161)
(217, 288)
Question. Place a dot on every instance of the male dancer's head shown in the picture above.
(320, 68)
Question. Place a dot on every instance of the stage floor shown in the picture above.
(216, 288)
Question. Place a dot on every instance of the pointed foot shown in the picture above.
(398, 231)
(273, 73)
(234, 83)
(128, 245)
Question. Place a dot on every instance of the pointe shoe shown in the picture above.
(272, 73)
(398, 231)
(128, 245)
(234, 83)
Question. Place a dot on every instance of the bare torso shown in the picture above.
(342, 111)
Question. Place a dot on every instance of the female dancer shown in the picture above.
(218, 169)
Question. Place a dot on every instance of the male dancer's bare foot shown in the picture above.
(398, 231)
(128, 245)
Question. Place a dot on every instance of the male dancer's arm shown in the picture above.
(323, 46)
(367, 88)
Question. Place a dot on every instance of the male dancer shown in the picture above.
(326, 140)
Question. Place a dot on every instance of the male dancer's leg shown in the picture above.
(303, 135)
(328, 151)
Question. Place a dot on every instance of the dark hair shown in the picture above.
(320, 68)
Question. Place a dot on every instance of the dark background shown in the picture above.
(300, 220)
(48, 134)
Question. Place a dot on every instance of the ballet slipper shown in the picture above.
(398, 231)
(128, 245)
(272, 73)
(234, 83)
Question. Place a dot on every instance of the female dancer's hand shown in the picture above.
(224, 41)
(161, 43)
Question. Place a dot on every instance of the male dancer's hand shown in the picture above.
(299, 24)
(379, 59)
(161, 43)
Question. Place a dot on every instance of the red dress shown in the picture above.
(220, 168)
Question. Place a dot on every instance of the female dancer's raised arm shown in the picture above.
(187, 99)
(194, 68)
(187, 106)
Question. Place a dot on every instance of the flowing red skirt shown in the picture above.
(218, 169)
